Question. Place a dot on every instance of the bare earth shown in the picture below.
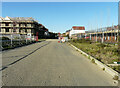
(50, 63)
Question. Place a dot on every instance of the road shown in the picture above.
(50, 63)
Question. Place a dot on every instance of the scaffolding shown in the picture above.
(104, 35)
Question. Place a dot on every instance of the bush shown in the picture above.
(16, 38)
(116, 68)
(93, 61)
(103, 69)
(98, 58)
(82, 41)
(115, 51)
(115, 77)
(76, 49)
(4, 38)
(101, 45)
(89, 57)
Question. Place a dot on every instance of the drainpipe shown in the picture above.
(11, 40)
(96, 36)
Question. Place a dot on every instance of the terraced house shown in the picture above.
(18, 25)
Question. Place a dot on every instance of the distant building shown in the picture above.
(43, 32)
(67, 32)
(77, 32)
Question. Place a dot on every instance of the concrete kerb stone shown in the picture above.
(109, 70)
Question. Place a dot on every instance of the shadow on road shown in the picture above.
(3, 68)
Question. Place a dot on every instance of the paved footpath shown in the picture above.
(50, 63)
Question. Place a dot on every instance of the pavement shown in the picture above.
(50, 63)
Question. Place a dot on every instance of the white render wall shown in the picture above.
(75, 32)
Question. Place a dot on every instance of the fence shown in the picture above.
(6, 44)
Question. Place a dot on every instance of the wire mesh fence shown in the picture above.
(13, 41)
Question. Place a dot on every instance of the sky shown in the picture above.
(61, 16)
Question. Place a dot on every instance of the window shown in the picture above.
(19, 30)
(22, 25)
(28, 25)
(7, 24)
(7, 30)
(32, 25)
(14, 24)
(14, 30)
(26, 30)
(25, 25)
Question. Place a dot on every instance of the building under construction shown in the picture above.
(21, 26)
(106, 34)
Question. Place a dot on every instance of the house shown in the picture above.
(18, 26)
(77, 32)
(22, 26)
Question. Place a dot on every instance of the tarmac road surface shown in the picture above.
(50, 63)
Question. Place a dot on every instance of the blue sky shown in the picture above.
(61, 16)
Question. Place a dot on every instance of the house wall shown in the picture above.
(108, 37)
(19, 28)
(76, 32)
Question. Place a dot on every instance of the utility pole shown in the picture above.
(118, 35)
(101, 33)
(96, 33)
(90, 32)
(97, 29)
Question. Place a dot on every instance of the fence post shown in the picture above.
(19, 39)
(26, 39)
(11, 40)
(96, 36)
